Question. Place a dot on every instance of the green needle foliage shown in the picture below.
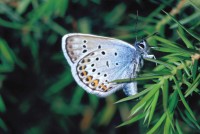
(38, 93)
(176, 78)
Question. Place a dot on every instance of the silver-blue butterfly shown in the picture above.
(96, 61)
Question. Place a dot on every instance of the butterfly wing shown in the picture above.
(76, 45)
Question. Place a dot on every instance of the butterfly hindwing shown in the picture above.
(98, 68)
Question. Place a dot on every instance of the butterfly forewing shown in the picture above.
(77, 45)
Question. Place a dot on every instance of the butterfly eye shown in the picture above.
(141, 45)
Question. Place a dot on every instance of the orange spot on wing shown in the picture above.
(84, 73)
(95, 83)
(82, 67)
(103, 87)
(89, 79)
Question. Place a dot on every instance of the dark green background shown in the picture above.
(37, 92)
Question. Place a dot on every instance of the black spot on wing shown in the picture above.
(103, 52)
(84, 51)
(107, 64)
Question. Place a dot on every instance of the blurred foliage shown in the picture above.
(38, 93)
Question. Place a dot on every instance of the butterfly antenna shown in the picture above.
(136, 22)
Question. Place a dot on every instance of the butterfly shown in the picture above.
(95, 61)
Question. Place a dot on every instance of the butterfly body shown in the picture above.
(96, 61)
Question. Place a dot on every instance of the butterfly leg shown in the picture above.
(151, 56)
(130, 88)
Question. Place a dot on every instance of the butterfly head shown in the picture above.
(142, 47)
